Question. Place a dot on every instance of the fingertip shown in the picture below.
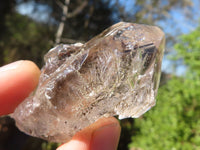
(31, 66)
(31, 71)
(106, 137)
(104, 132)
(17, 80)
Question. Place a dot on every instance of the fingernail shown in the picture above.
(106, 138)
(11, 66)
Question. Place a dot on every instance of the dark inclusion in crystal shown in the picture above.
(114, 74)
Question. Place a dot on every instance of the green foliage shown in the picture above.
(24, 39)
(174, 122)
(49, 146)
(188, 49)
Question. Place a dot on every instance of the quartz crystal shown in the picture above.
(116, 73)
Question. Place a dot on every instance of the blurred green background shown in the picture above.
(29, 28)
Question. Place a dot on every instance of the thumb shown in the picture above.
(102, 135)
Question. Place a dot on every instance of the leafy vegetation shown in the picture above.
(188, 49)
(24, 39)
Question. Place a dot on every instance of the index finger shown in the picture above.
(17, 80)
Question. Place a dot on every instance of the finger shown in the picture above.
(101, 135)
(17, 80)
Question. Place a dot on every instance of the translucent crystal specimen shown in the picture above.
(115, 73)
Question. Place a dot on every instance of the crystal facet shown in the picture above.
(115, 73)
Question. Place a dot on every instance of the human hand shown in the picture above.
(19, 79)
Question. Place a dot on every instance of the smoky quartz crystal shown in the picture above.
(116, 73)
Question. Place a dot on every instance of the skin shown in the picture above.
(19, 79)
